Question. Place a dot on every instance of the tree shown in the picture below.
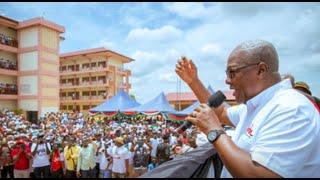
(133, 96)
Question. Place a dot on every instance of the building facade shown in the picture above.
(29, 74)
(89, 77)
(37, 79)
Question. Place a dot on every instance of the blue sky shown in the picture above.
(157, 34)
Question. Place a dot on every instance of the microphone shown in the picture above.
(215, 100)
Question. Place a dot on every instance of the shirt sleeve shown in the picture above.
(285, 141)
(234, 113)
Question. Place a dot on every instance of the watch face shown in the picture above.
(212, 136)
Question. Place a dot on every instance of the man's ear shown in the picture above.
(263, 69)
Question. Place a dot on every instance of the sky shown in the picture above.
(156, 35)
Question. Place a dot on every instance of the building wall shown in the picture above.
(28, 37)
(29, 61)
(9, 104)
(50, 56)
(115, 63)
(28, 85)
(49, 67)
(49, 70)
(29, 104)
(49, 38)
(49, 80)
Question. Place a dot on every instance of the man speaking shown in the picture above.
(277, 129)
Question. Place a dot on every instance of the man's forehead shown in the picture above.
(237, 58)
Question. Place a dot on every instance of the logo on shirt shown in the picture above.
(249, 132)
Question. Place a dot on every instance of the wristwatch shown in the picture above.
(214, 134)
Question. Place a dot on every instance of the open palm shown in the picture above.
(186, 70)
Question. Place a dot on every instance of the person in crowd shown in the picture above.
(305, 89)
(152, 164)
(86, 160)
(56, 161)
(41, 154)
(71, 153)
(6, 161)
(141, 156)
(120, 159)
(21, 155)
(277, 128)
(99, 143)
(105, 163)
(163, 150)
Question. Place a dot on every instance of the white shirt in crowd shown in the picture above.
(98, 143)
(119, 155)
(104, 162)
(41, 158)
(154, 145)
(280, 128)
(173, 140)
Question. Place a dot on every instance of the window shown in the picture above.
(86, 107)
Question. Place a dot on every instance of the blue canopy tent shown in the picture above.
(117, 103)
(154, 106)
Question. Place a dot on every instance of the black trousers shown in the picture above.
(7, 170)
(45, 170)
(70, 174)
(97, 171)
(57, 174)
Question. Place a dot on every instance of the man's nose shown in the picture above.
(228, 80)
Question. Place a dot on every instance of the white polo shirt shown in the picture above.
(280, 128)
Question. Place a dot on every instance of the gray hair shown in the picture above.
(259, 50)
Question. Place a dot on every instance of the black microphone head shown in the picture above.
(216, 99)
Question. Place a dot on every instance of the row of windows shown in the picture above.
(76, 107)
(85, 66)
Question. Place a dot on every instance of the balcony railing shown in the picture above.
(10, 89)
(86, 83)
(85, 98)
(8, 40)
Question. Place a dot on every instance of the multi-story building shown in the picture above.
(34, 77)
(89, 77)
(182, 100)
(29, 65)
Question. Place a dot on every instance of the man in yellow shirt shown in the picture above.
(71, 154)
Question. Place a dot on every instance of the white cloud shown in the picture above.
(211, 48)
(154, 35)
(104, 43)
(192, 10)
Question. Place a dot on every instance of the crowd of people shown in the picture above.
(8, 40)
(71, 145)
(7, 64)
(6, 88)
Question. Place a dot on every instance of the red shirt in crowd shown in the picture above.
(56, 162)
(22, 163)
